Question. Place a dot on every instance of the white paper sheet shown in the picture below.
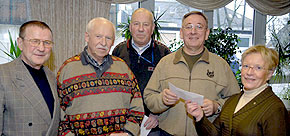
(144, 131)
(194, 97)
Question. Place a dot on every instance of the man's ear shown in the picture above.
(87, 37)
(130, 27)
(180, 33)
(20, 43)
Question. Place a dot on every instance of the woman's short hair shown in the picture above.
(270, 56)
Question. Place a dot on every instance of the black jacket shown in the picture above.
(141, 68)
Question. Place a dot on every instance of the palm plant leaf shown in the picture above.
(18, 51)
(12, 47)
(14, 51)
(8, 54)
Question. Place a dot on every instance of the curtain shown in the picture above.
(67, 19)
(270, 7)
(121, 1)
(205, 4)
(266, 7)
(13, 12)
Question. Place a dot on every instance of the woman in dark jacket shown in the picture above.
(256, 110)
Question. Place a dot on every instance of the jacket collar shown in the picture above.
(24, 82)
(100, 69)
(85, 61)
(265, 94)
(129, 43)
(179, 57)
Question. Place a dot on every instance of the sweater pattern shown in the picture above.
(102, 122)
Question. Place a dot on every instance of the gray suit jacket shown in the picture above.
(23, 110)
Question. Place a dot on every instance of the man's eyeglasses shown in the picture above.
(256, 68)
(36, 42)
(198, 27)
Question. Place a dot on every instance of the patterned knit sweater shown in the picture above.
(98, 106)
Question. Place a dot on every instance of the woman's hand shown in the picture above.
(209, 107)
(194, 109)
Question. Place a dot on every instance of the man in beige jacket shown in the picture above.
(194, 69)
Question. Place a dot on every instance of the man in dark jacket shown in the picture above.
(142, 53)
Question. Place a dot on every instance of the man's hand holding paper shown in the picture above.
(194, 97)
(168, 97)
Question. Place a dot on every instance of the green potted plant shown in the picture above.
(224, 43)
(175, 45)
(125, 29)
(14, 51)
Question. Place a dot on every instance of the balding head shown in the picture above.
(97, 21)
(142, 26)
(143, 11)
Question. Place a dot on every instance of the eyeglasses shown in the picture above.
(36, 42)
(198, 27)
(255, 68)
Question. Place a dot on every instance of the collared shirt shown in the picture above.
(100, 69)
(138, 49)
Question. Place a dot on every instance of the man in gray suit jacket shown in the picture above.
(29, 104)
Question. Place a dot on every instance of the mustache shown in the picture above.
(102, 47)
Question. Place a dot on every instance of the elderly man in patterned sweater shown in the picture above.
(98, 92)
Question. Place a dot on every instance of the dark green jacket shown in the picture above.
(263, 115)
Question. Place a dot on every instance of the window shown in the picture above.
(244, 42)
(4, 40)
(173, 12)
(279, 25)
(119, 13)
(12, 14)
(237, 15)
(171, 21)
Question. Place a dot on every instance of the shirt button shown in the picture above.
(30, 124)
(254, 103)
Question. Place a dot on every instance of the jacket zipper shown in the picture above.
(189, 91)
